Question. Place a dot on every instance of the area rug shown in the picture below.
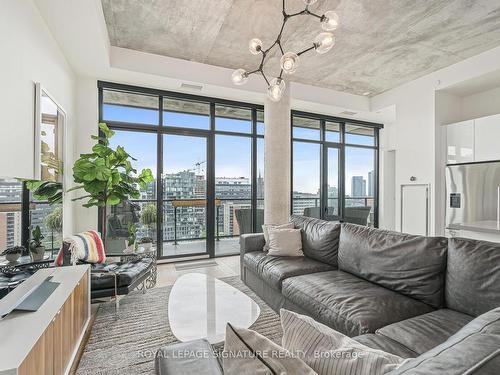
(127, 345)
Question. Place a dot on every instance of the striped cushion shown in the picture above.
(246, 352)
(328, 352)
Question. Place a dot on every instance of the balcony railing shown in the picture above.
(310, 207)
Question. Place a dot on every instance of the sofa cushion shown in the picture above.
(328, 351)
(407, 264)
(248, 352)
(348, 303)
(386, 344)
(320, 238)
(273, 270)
(473, 276)
(424, 332)
(198, 358)
(475, 349)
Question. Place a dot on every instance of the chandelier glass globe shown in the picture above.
(239, 77)
(255, 46)
(324, 42)
(330, 21)
(276, 89)
(289, 62)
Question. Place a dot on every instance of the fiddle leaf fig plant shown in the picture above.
(107, 176)
(49, 191)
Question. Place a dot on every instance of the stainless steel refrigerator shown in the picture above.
(473, 197)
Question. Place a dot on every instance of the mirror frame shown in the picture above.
(61, 141)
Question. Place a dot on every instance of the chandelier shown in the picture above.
(289, 61)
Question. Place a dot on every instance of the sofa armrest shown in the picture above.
(248, 243)
(251, 242)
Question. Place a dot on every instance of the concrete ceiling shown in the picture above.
(381, 44)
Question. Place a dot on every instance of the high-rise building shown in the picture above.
(371, 184)
(358, 187)
(260, 186)
(10, 223)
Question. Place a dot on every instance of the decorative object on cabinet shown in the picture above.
(37, 249)
(12, 254)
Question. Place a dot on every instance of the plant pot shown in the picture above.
(12, 257)
(146, 246)
(37, 253)
(129, 249)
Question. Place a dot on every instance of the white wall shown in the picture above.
(417, 140)
(482, 104)
(29, 54)
(88, 116)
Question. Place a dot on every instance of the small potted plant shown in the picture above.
(146, 243)
(37, 250)
(131, 241)
(12, 254)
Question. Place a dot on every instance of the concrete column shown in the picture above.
(277, 160)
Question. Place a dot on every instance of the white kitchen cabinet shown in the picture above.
(487, 138)
(460, 142)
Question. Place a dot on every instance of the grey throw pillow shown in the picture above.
(330, 352)
(265, 231)
(285, 242)
(247, 352)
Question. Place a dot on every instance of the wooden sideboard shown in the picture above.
(46, 341)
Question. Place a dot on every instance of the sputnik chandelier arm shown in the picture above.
(289, 60)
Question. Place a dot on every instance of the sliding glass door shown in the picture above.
(184, 192)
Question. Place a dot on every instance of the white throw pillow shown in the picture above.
(285, 242)
(330, 352)
(266, 227)
(247, 352)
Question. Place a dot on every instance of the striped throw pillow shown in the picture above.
(247, 352)
(329, 352)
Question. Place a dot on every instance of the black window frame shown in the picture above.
(341, 146)
(160, 129)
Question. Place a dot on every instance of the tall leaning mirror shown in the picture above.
(50, 121)
(31, 210)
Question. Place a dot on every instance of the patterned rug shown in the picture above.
(128, 345)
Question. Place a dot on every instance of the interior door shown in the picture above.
(415, 209)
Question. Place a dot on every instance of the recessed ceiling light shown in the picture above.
(366, 93)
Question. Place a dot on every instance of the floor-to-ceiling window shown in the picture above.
(207, 156)
(334, 168)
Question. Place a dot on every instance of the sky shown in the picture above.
(232, 153)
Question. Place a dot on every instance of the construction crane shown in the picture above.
(198, 166)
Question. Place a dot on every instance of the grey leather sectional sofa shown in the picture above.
(432, 299)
